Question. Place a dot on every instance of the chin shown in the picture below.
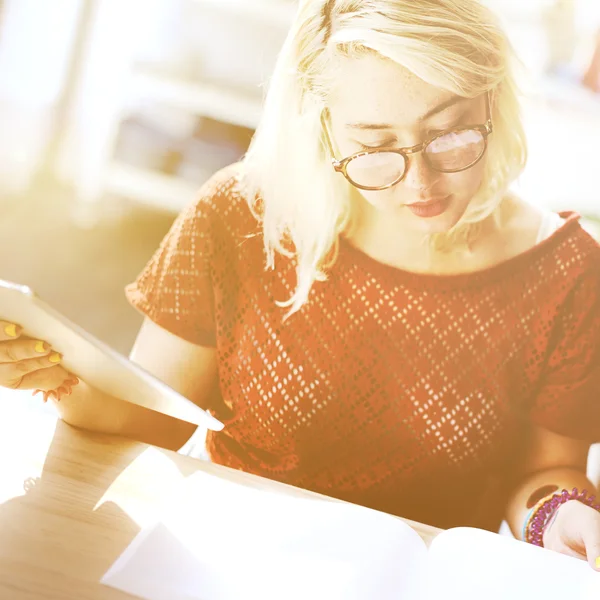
(395, 210)
(432, 226)
(437, 218)
(435, 225)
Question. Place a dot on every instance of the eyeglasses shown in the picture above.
(452, 151)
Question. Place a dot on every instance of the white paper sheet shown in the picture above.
(469, 564)
(223, 541)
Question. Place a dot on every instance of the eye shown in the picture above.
(434, 131)
(431, 133)
(377, 146)
(459, 121)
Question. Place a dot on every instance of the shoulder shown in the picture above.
(524, 225)
(220, 211)
(577, 250)
(222, 198)
(554, 243)
(570, 258)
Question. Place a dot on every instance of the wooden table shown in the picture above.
(72, 501)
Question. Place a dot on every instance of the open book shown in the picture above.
(219, 540)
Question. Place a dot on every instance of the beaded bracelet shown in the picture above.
(544, 510)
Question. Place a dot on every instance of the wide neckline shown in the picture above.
(510, 266)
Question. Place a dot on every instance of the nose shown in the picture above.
(420, 177)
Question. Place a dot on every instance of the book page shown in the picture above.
(470, 564)
(220, 540)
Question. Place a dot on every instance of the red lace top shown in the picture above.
(408, 393)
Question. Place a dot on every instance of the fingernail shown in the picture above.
(11, 330)
(54, 357)
(598, 563)
(41, 347)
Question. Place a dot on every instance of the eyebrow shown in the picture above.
(430, 113)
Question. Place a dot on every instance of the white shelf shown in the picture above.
(208, 100)
(150, 187)
(108, 63)
(277, 12)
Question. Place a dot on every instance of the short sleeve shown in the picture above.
(568, 401)
(175, 290)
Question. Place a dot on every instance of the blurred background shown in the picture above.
(114, 112)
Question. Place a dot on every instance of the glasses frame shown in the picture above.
(341, 166)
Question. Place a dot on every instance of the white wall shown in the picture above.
(35, 44)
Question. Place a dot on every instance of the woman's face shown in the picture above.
(378, 103)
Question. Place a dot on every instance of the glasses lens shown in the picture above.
(378, 169)
(456, 150)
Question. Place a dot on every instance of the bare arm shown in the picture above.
(189, 369)
(552, 460)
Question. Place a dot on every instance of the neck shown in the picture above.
(388, 240)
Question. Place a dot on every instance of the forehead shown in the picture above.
(372, 89)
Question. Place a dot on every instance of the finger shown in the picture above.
(591, 538)
(9, 331)
(45, 379)
(563, 549)
(593, 556)
(11, 374)
(22, 349)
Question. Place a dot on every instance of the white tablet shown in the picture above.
(93, 361)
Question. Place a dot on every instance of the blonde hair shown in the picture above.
(303, 204)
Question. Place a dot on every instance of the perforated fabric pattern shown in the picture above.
(405, 392)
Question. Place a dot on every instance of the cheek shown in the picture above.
(468, 182)
(463, 186)
(382, 198)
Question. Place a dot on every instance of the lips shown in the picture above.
(430, 208)
(428, 201)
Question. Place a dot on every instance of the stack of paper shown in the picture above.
(223, 541)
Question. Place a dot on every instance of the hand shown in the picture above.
(27, 364)
(574, 530)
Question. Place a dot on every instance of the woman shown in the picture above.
(364, 303)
